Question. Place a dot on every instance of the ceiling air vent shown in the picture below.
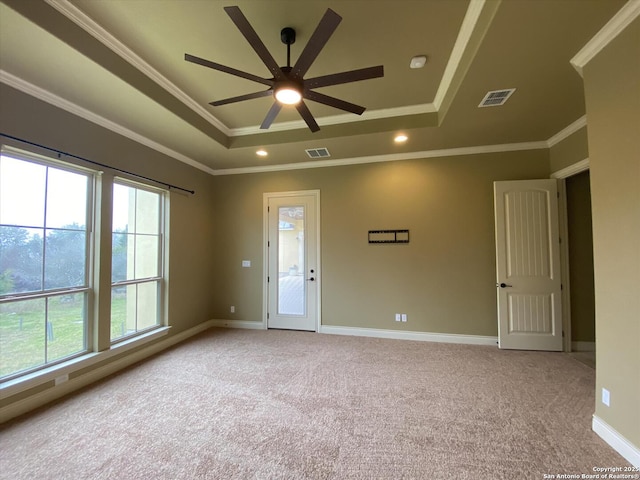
(495, 98)
(318, 152)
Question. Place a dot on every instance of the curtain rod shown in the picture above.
(60, 152)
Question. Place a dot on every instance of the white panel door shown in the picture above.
(528, 265)
(292, 256)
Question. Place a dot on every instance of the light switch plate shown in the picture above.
(246, 263)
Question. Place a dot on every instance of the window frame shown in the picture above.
(88, 289)
(98, 348)
(160, 278)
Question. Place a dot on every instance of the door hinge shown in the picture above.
(268, 243)
(268, 317)
(561, 287)
(558, 194)
(268, 279)
(268, 209)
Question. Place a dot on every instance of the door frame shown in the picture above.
(265, 255)
(561, 176)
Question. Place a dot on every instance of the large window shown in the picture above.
(45, 252)
(58, 310)
(137, 259)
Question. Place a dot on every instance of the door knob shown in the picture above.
(503, 285)
(310, 279)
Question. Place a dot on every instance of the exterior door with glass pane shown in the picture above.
(292, 259)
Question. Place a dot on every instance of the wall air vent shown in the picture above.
(496, 98)
(318, 152)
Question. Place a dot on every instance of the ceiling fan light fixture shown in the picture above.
(288, 95)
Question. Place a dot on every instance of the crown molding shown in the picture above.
(55, 100)
(393, 157)
(462, 42)
(340, 119)
(85, 22)
(621, 20)
(572, 170)
(567, 131)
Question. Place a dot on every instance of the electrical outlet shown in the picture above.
(404, 317)
(233, 309)
(61, 379)
(397, 317)
(606, 397)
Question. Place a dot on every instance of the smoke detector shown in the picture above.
(418, 61)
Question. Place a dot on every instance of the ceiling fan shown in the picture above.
(288, 85)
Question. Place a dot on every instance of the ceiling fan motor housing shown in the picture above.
(288, 36)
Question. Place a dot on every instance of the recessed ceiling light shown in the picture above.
(262, 153)
(400, 138)
(418, 61)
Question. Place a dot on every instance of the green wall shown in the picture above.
(569, 151)
(612, 92)
(444, 279)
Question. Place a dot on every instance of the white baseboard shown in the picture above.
(583, 346)
(20, 407)
(376, 332)
(239, 324)
(624, 447)
(403, 335)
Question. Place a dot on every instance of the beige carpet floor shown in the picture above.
(233, 404)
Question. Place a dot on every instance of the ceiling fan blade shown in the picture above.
(345, 77)
(307, 117)
(240, 98)
(225, 69)
(333, 102)
(250, 34)
(316, 43)
(271, 115)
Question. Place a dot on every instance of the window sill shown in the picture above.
(50, 374)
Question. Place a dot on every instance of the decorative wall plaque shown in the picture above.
(388, 236)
